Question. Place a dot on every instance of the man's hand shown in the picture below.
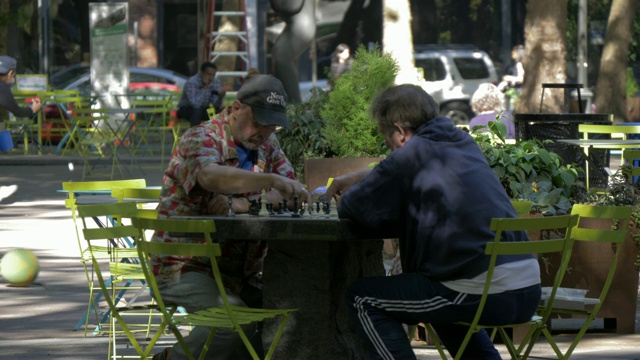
(219, 205)
(290, 188)
(342, 183)
(36, 105)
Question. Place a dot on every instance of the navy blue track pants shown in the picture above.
(380, 305)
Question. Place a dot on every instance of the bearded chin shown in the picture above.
(249, 145)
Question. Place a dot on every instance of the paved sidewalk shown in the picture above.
(37, 321)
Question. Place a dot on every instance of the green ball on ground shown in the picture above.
(19, 267)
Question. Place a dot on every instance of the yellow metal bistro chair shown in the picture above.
(91, 190)
(611, 237)
(98, 141)
(224, 316)
(559, 241)
(152, 128)
(122, 268)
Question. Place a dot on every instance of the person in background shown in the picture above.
(488, 104)
(235, 154)
(8, 102)
(437, 194)
(340, 62)
(514, 75)
(200, 91)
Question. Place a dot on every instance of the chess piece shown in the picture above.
(263, 204)
(296, 209)
(280, 211)
(230, 212)
(307, 210)
(285, 206)
(333, 209)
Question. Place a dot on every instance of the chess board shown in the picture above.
(318, 209)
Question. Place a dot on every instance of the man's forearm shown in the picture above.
(231, 180)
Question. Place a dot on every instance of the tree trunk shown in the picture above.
(545, 33)
(4, 30)
(397, 25)
(610, 87)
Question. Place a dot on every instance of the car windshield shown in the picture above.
(65, 76)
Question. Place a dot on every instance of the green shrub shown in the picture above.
(349, 128)
(528, 171)
(304, 138)
(633, 88)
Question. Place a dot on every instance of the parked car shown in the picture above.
(452, 74)
(77, 77)
(136, 75)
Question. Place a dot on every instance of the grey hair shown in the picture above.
(407, 106)
(487, 98)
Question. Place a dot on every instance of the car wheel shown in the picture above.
(459, 113)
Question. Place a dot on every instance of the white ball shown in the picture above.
(70, 166)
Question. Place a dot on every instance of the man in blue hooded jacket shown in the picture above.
(436, 190)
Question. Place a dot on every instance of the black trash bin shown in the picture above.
(565, 126)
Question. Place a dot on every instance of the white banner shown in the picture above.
(108, 24)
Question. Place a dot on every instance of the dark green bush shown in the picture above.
(349, 128)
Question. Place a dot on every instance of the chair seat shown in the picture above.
(219, 317)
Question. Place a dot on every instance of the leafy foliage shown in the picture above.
(349, 128)
(621, 191)
(527, 170)
(633, 88)
(304, 138)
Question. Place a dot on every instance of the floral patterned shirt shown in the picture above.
(208, 143)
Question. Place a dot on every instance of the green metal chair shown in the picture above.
(224, 316)
(123, 267)
(522, 206)
(611, 234)
(91, 189)
(559, 241)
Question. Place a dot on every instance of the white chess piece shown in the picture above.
(333, 212)
(305, 210)
(263, 204)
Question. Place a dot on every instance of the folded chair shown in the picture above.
(123, 266)
(224, 316)
(558, 229)
(610, 237)
(92, 190)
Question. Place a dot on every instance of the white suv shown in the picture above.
(452, 74)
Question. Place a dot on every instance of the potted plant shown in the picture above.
(333, 132)
(527, 170)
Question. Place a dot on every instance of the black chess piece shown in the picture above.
(285, 206)
(254, 207)
(270, 209)
(296, 210)
(280, 209)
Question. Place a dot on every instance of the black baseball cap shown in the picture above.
(7, 63)
(267, 98)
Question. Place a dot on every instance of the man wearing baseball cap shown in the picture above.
(226, 161)
(7, 101)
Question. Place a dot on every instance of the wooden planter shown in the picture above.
(588, 269)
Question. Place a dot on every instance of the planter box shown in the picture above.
(588, 268)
